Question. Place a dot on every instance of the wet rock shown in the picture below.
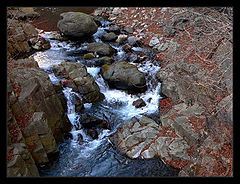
(123, 75)
(109, 36)
(139, 103)
(101, 49)
(92, 133)
(88, 121)
(79, 106)
(82, 82)
(40, 44)
(80, 138)
(121, 38)
(77, 24)
(133, 58)
(127, 48)
(89, 56)
(68, 136)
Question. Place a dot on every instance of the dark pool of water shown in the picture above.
(49, 16)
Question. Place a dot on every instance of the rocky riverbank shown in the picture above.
(36, 120)
(194, 48)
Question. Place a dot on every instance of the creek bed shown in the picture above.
(99, 157)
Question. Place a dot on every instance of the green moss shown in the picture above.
(89, 56)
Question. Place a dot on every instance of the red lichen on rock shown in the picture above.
(23, 121)
(191, 150)
(10, 154)
(166, 104)
(14, 132)
(198, 123)
(167, 132)
(178, 164)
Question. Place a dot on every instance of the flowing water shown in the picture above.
(99, 157)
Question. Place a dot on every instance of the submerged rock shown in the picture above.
(77, 24)
(123, 75)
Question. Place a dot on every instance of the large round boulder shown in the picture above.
(77, 24)
(123, 75)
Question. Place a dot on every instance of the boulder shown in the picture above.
(77, 24)
(81, 81)
(101, 49)
(123, 75)
(89, 121)
(109, 36)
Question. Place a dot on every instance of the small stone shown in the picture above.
(114, 28)
(154, 41)
(139, 103)
(132, 40)
(128, 30)
(121, 38)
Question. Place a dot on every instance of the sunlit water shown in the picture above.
(99, 157)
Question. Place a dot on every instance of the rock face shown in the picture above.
(36, 118)
(37, 94)
(76, 76)
(22, 13)
(19, 34)
(123, 75)
(101, 49)
(23, 39)
(77, 24)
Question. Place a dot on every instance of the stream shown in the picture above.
(99, 157)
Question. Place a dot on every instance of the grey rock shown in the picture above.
(109, 36)
(132, 40)
(101, 49)
(123, 75)
(154, 41)
(77, 24)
